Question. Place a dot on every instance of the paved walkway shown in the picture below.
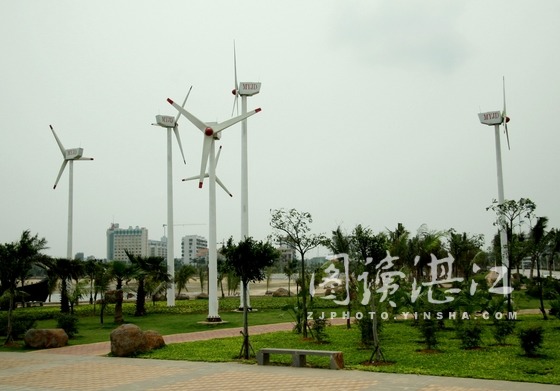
(85, 368)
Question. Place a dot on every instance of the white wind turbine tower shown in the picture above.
(497, 118)
(169, 122)
(69, 155)
(244, 90)
(211, 132)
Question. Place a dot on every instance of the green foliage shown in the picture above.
(69, 323)
(429, 329)
(502, 329)
(555, 308)
(550, 287)
(470, 334)
(319, 329)
(20, 325)
(531, 339)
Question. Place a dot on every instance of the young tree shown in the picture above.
(293, 229)
(66, 270)
(248, 259)
(539, 242)
(511, 214)
(289, 270)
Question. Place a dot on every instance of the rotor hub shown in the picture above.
(209, 131)
(234, 91)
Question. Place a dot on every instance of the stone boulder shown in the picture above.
(202, 295)
(45, 338)
(280, 292)
(128, 340)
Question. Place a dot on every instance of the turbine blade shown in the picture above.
(60, 172)
(195, 121)
(219, 182)
(236, 87)
(192, 178)
(84, 158)
(232, 121)
(183, 105)
(504, 92)
(205, 153)
(218, 155)
(176, 131)
(507, 134)
(62, 150)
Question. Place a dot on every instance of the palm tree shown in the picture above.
(65, 270)
(16, 259)
(554, 248)
(120, 271)
(182, 277)
(147, 269)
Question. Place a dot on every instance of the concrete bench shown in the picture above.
(299, 356)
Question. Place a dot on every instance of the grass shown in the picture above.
(402, 346)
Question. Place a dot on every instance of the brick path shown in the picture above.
(85, 368)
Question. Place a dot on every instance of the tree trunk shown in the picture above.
(118, 307)
(245, 349)
(540, 282)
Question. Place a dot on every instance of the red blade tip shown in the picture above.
(200, 185)
(170, 101)
(257, 110)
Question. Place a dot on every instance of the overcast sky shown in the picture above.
(369, 113)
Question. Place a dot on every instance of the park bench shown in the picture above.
(299, 356)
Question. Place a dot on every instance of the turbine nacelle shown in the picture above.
(492, 118)
(73, 153)
(166, 121)
(247, 89)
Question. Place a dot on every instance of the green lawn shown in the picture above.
(402, 346)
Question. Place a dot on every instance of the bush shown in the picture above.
(555, 308)
(470, 334)
(319, 329)
(429, 328)
(69, 323)
(550, 287)
(531, 339)
(502, 328)
(20, 325)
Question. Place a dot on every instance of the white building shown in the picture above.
(157, 248)
(133, 240)
(193, 246)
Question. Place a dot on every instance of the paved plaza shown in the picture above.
(87, 368)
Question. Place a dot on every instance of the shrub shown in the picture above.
(20, 325)
(69, 323)
(555, 308)
(319, 329)
(502, 328)
(429, 328)
(531, 339)
(470, 334)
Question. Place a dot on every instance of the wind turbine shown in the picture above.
(497, 118)
(169, 122)
(69, 155)
(244, 90)
(211, 132)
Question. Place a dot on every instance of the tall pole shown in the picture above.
(244, 193)
(212, 245)
(70, 209)
(170, 245)
(501, 199)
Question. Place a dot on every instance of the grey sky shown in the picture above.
(369, 112)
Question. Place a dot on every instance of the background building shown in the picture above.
(192, 247)
(134, 240)
(157, 248)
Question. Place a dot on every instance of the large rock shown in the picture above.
(281, 292)
(128, 340)
(45, 338)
